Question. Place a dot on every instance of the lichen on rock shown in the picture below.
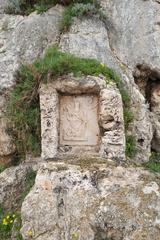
(99, 202)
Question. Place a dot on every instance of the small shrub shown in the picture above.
(78, 10)
(25, 7)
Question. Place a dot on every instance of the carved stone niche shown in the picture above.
(81, 116)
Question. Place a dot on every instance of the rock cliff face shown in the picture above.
(128, 38)
(22, 40)
(101, 201)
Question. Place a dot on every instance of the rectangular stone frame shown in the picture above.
(110, 119)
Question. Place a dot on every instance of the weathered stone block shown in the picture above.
(106, 203)
(81, 116)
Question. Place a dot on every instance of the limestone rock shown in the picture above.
(12, 183)
(102, 202)
(134, 36)
(112, 123)
(133, 29)
(3, 5)
(6, 146)
(22, 40)
(90, 38)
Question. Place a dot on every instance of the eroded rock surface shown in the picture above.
(90, 38)
(22, 40)
(3, 5)
(12, 184)
(134, 31)
(102, 202)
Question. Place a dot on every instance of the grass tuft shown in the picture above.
(82, 8)
(152, 165)
(130, 146)
(2, 168)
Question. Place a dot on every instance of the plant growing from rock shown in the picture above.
(87, 9)
(154, 162)
(10, 220)
(25, 7)
(7, 220)
(23, 106)
(130, 146)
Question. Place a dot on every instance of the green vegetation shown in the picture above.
(23, 106)
(25, 7)
(75, 8)
(154, 162)
(155, 156)
(87, 8)
(128, 117)
(130, 146)
(10, 221)
(152, 165)
(6, 224)
(2, 167)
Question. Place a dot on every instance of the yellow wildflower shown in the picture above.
(11, 221)
(75, 236)
(5, 222)
(30, 233)
(102, 64)
(13, 215)
(8, 217)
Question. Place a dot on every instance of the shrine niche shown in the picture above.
(81, 116)
(79, 120)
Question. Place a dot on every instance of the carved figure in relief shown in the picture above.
(78, 120)
(75, 121)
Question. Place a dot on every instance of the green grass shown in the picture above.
(11, 220)
(25, 7)
(8, 221)
(2, 167)
(82, 8)
(130, 146)
(23, 106)
(152, 165)
(128, 117)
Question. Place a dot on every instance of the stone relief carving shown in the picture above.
(81, 117)
(79, 120)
